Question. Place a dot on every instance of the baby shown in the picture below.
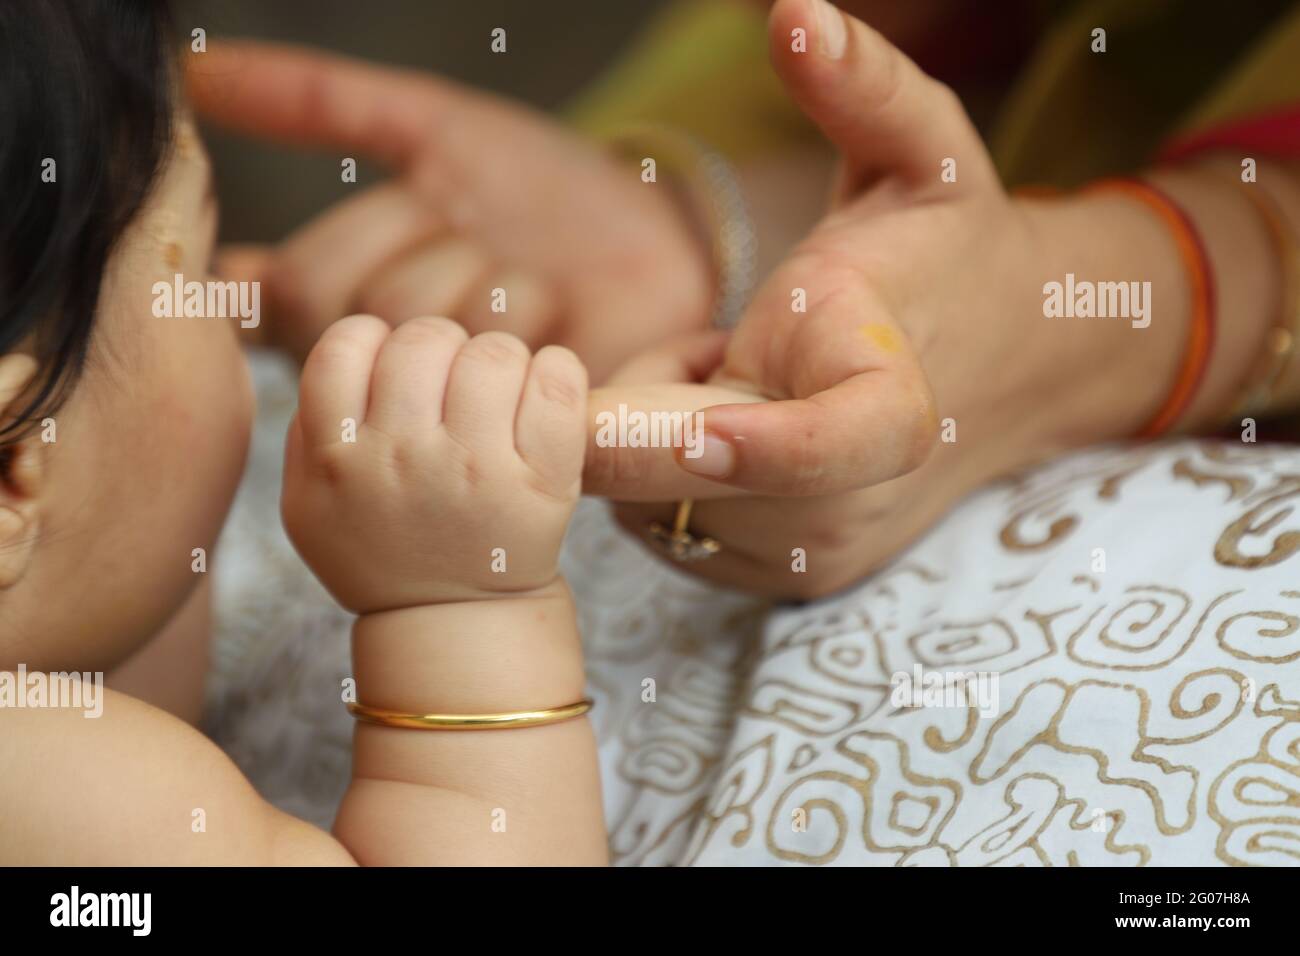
(429, 480)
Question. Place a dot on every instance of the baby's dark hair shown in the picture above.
(87, 84)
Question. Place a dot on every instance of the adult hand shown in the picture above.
(485, 194)
(923, 301)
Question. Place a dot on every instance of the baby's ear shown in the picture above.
(21, 472)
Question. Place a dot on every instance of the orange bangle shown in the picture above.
(1200, 275)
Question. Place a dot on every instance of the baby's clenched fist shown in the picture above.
(424, 466)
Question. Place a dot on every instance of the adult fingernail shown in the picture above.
(832, 33)
(716, 457)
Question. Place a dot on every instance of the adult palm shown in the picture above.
(485, 195)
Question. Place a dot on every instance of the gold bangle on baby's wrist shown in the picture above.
(508, 720)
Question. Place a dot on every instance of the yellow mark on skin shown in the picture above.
(172, 255)
(883, 337)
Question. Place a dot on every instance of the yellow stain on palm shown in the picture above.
(884, 337)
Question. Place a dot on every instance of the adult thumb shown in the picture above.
(888, 118)
(674, 380)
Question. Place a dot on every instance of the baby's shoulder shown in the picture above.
(91, 776)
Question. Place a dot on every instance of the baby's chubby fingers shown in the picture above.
(458, 475)
(335, 384)
(550, 426)
(411, 374)
(483, 393)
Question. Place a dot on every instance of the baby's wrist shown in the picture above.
(489, 654)
(514, 580)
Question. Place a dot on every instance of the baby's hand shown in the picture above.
(424, 466)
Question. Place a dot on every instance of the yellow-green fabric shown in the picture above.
(702, 66)
(1170, 67)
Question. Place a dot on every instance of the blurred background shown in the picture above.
(554, 49)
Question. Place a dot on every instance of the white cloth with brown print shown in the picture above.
(1131, 617)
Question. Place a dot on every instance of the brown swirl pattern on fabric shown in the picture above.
(1140, 609)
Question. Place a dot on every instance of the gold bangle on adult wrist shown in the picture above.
(713, 190)
(1275, 369)
(508, 720)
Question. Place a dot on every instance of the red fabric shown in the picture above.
(1274, 134)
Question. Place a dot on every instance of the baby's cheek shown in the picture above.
(231, 410)
(243, 398)
(210, 422)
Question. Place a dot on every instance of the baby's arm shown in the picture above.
(429, 480)
(502, 797)
(467, 458)
(136, 787)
